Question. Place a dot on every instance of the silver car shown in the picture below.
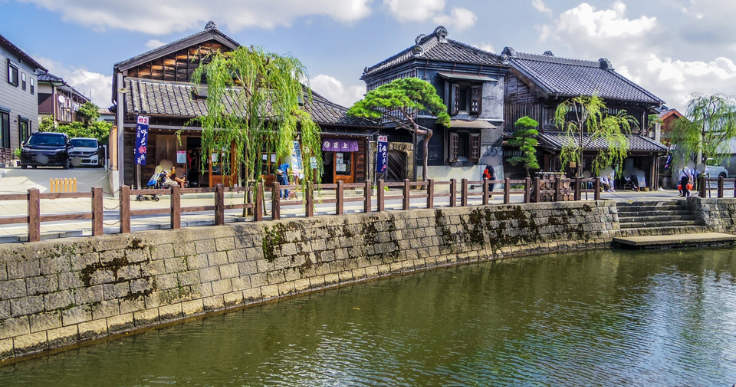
(84, 152)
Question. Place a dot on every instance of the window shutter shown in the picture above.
(474, 148)
(454, 138)
(454, 100)
(476, 100)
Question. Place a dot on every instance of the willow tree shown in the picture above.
(585, 121)
(704, 132)
(253, 105)
(524, 138)
(400, 102)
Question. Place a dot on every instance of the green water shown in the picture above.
(664, 318)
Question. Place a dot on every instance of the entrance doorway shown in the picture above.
(396, 171)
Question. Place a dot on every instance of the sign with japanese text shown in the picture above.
(382, 155)
(141, 140)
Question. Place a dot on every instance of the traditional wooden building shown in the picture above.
(470, 82)
(537, 84)
(156, 84)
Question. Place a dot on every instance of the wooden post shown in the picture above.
(34, 215)
(453, 192)
(339, 194)
(219, 205)
(486, 191)
(380, 192)
(125, 209)
(175, 207)
(720, 187)
(275, 201)
(464, 193)
(558, 185)
(407, 194)
(309, 200)
(368, 204)
(97, 211)
(577, 189)
(702, 186)
(537, 190)
(258, 203)
(528, 190)
(597, 189)
(506, 191)
(430, 193)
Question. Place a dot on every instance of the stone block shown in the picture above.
(213, 303)
(81, 261)
(358, 274)
(42, 285)
(63, 336)
(170, 312)
(288, 249)
(83, 296)
(188, 278)
(45, 321)
(140, 286)
(23, 269)
(269, 291)
(6, 349)
(146, 317)
(332, 279)
(225, 244)
(129, 272)
(301, 285)
(317, 282)
(222, 286)
(190, 308)
(258, 280)
(209, 274)
(233, 299)
(241, 283)
(254, 253)
(264, 266)
(92, 329)
(346, 276)
(142, 255)
(115, 291)
(205, 246)
(54, 265)
(236, 256)
(70, 281)
(252, 295)
(102, 277)
(26, 305)
(76, 315)
(292, 274)
(185, 249)
(12, 289)
(31, 343)
(13, 327)
(167, 281)
(107, 257)
(286, 288)
(175, 265)
(197, 261)
(3, 273)
(217, 258)
(105, 309)
(229, 271)
(275, 277)
(120, 323)
(247, 268)
(162, 252)
(4, 309)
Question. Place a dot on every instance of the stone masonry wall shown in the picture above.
(718, 215)
(62, 292)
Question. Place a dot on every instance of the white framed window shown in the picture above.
(33, 86)
(23, 81)
(12, 73)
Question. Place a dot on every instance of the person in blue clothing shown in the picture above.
(282, 173)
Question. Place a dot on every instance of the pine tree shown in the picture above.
(524, 138)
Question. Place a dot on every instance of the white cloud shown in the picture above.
(635, 48)
(541, 7)
(167, 16)
(485, 47)
(422, 10)
(154, 43)
(335, 91)
(86, 82)
(459, 18)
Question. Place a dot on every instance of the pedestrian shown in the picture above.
(684, 181)
(490, 174)
(282, 174)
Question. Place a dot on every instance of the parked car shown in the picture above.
(713, 169)
(85, 151)
(46, 149)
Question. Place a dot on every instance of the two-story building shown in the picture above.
(471, 84)
(58, 99)
(538, 84)
(18, 100)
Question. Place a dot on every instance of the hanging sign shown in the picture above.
(141, 140)
(181, 157)
(382, 155)
(313, 162)
(296, 159)
(339, 145)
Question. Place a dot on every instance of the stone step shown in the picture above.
(655, 218)
(656, 224)
(654, 203)
(650, 214)
(638, 207)
(662, 231)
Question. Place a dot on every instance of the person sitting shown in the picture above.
(605, 186)
(179, 180)
(634, 180)
(612, 187)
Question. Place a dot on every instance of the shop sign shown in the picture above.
(382, 156)
(141, 140)
(339, 145)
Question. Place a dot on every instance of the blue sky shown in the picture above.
(671, 47)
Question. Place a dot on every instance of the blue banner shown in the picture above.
(141, 140)
(382, 155)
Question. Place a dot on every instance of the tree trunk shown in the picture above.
(426, 154)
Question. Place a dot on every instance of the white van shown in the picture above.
(84, 152)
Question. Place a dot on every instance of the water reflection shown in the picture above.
(594, 319)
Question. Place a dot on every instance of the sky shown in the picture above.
(671, 47)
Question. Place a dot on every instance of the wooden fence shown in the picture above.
(705, 187)
(409, 190)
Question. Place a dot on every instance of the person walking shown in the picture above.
(684, 181)
(490, 174)
(282, 174)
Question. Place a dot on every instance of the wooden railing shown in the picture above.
(458, 194)
(705, 187)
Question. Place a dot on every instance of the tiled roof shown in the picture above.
(175, 99)
(20, 53)
(47, 77)
(573, 77)
(437, 47)
(637, 143)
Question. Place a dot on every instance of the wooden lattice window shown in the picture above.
(476, 99)
(474, 148)
(454, 147)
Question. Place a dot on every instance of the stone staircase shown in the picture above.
(657, 218)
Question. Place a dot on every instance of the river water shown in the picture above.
(603, 318)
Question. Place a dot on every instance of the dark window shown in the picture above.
(466, 99)
(24, 129)
(12, 73)
(4, 130)
(476, 99)
(461, 99)
(23, 81)
(474, 148)
(464, 146)
(33, 86)
(454, 147)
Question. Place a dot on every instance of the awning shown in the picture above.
(339, 145)
(475, 124)
(467, 77)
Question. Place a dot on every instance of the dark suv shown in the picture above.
(46, 149)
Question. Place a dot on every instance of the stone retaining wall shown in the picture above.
(62, 292)
(717, 215)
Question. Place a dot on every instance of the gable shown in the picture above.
(177, 66)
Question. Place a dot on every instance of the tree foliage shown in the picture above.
(524, 138)
(705, 130)
(585, 120)
(253, 102)
(89, 112)
(89, 127)
(399, 102)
